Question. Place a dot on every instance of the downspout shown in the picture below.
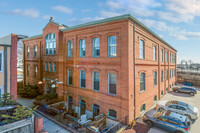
(134, 68)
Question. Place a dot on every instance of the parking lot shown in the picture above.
(192, 100)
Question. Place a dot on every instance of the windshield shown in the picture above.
(186, 105)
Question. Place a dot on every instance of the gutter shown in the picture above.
(134, 68)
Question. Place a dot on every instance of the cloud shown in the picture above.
(176, 18)
(62, 9)
(180, 11)
(135, 7)
(84, 20)
(30, 12)
(109, 14)
(46, 17)
(174, 32)
(185, 35)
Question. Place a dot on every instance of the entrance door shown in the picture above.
(95, 110)
(82, 107)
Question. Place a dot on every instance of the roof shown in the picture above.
(6, 40)
(57, 24)
(32, 37)
(111, 19)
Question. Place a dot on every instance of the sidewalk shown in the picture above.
(48, 125)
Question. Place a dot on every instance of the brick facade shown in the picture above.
(126, 65)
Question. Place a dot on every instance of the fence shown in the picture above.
(117, 125)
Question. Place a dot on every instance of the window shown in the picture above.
(1, 61)
(54, 67)
(1, 88)
(155, 78)
(161, 54)
(142, 82)
(166, 74)
(155, 98)
(154, 53)
(166, 57)
(162, 76)
(95, 110)
(70, 78)
(50, 48)
(112, 114)
(170, 57)
(36, 70)
(96, 49)
(49, 67)
(46, 67)
(28, 50)
(27, 70)
(96, 81)
(141, 49)
(82, 48)
(112, 46)
(112, 81)
(82, 79)
(161, 93)
(143, 108)
(170, 74)
(70, 47)
(35, 51)
(82, 107)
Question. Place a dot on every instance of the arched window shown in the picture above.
(96, 49)
(142, 82)
(112, 46)
(154, 53)
(143, 108)
(82, 48)
(50, 48)
(155, 78)
(112, 114)
(28, 50)
(155, 98)
(36, 70)
(141, 49)
(35, 51)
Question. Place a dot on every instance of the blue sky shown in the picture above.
(176, 21)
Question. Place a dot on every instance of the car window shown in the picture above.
(162, 119)
(180, 108)
(173, 122)
(172, 106)
(183, 88)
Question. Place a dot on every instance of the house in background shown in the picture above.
(8, 64)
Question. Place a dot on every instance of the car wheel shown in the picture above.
(149, 124)
(176, 91)
(188, 116)
(192, 93)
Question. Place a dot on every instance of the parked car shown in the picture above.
(180, 107)
(189, 90)
(167, 120)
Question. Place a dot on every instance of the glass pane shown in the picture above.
(112, 113)
(112, 46)
(96, 80)
(112, 83)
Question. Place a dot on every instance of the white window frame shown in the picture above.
(2, 63)
(141, 49)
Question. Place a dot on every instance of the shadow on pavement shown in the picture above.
(180, 94)
(141, 128)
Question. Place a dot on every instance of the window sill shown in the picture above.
(112, 94)
(112, 117)
(83, 87)
(95, 90)
(142, 91)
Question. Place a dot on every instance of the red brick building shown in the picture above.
(115, 66)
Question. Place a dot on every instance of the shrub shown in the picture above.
(28, 91)
(46, 99)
